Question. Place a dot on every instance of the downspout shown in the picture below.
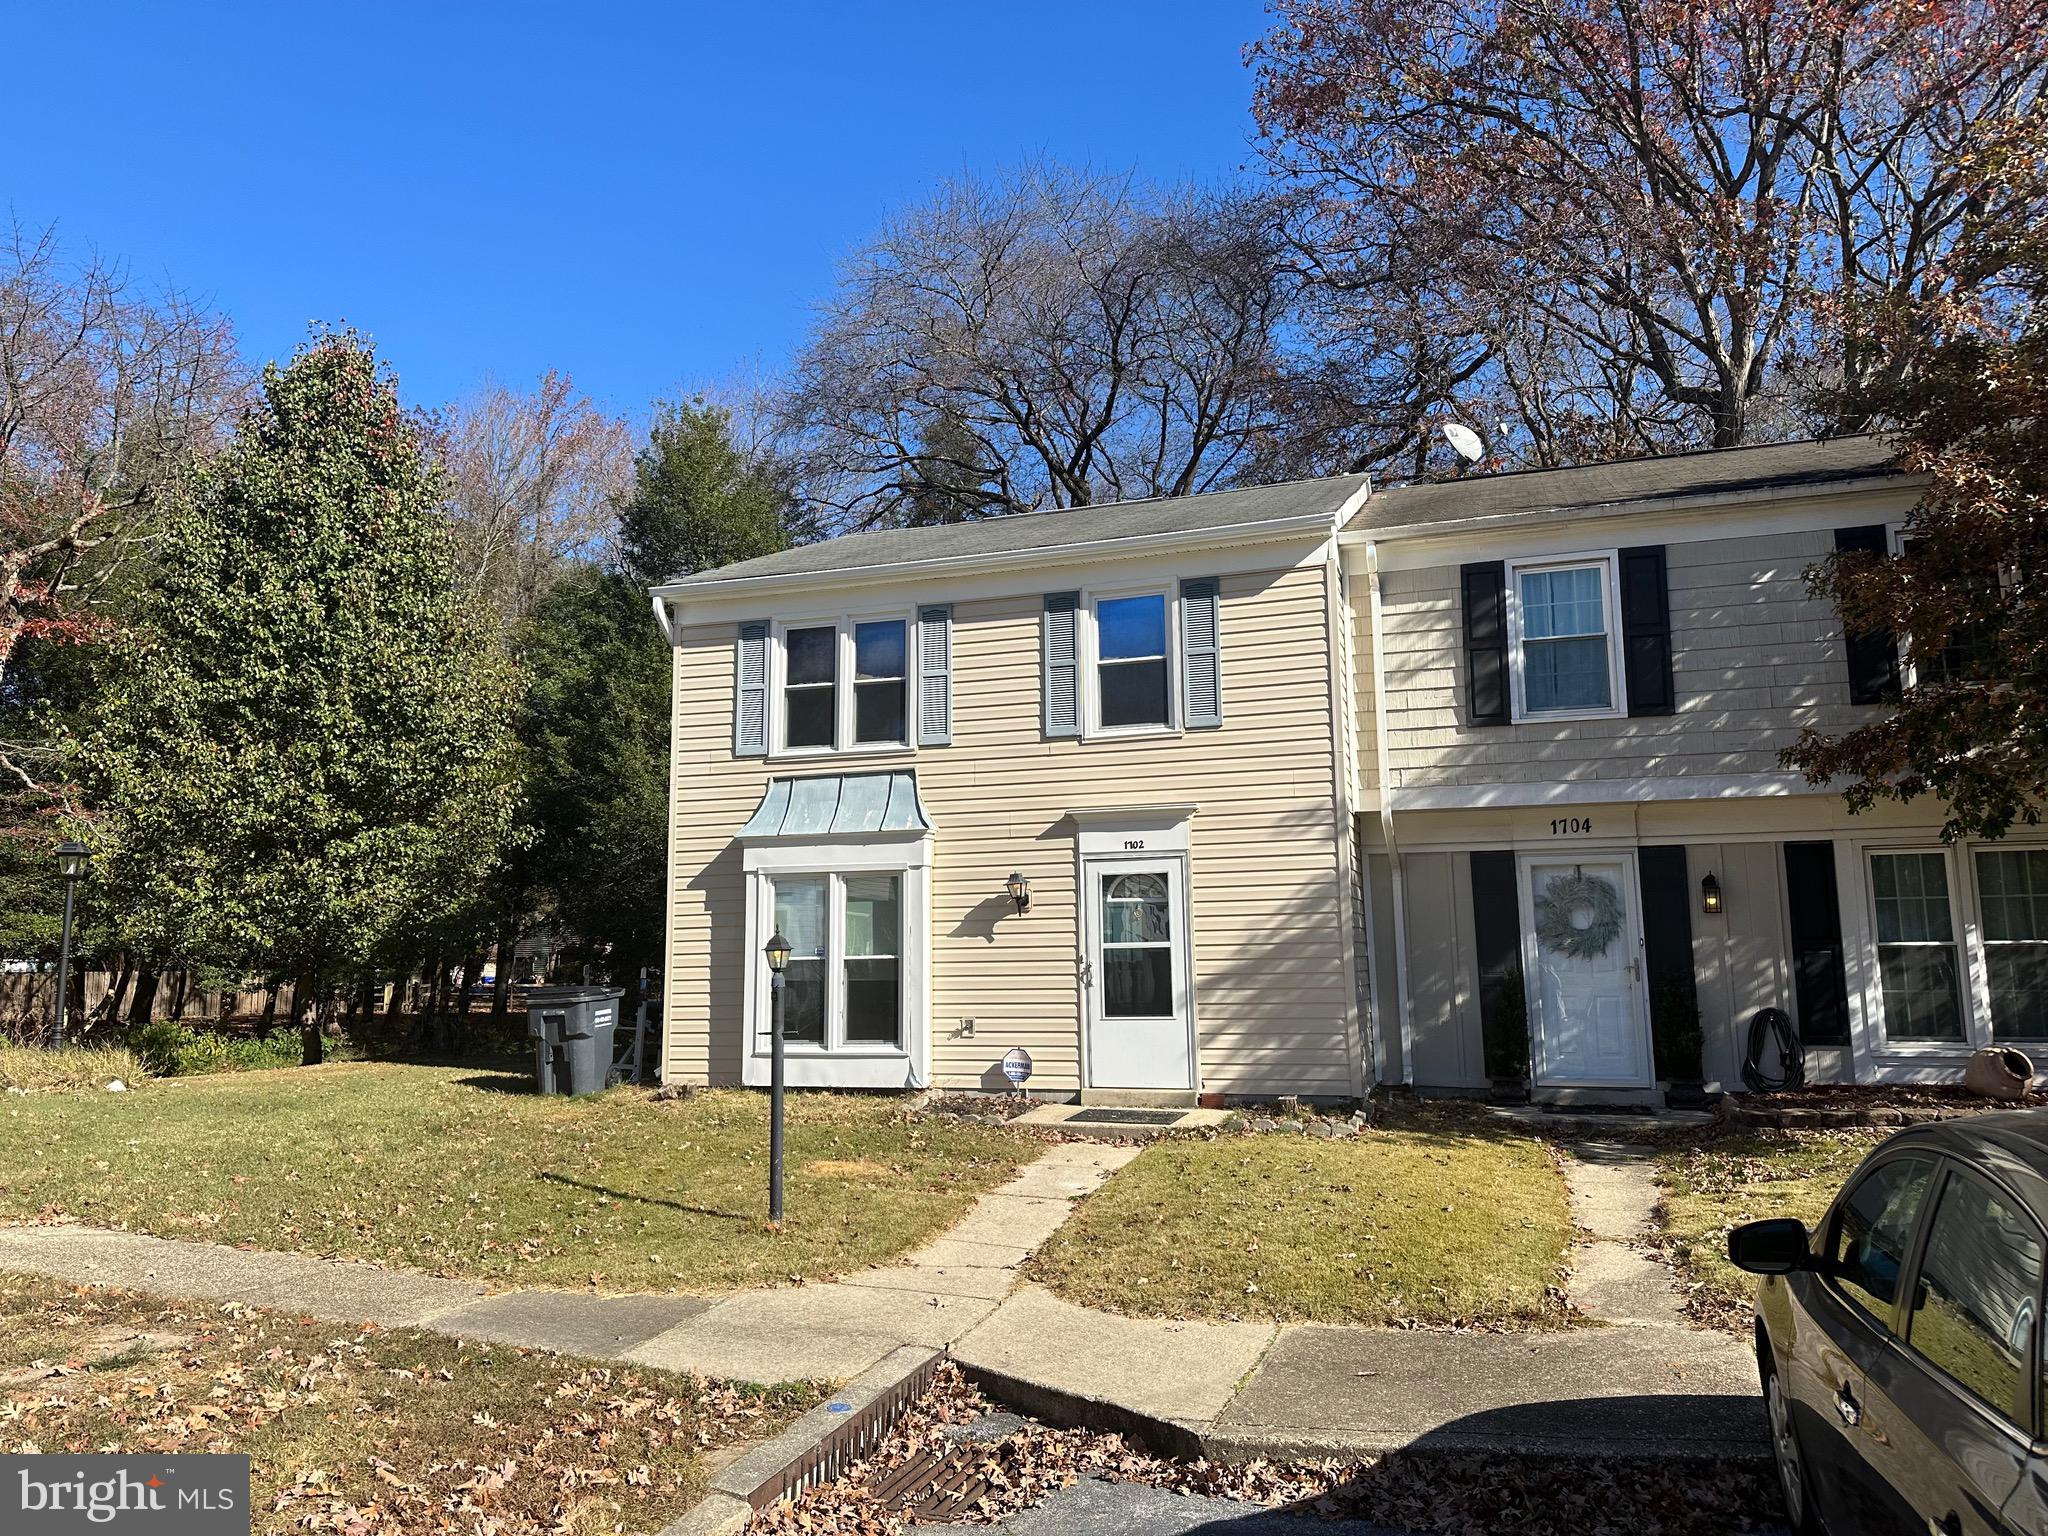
(1382, 760)
(1343, 787)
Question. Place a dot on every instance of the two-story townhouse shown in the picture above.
(1071, 782)
(1300, 788)
(1572, 688)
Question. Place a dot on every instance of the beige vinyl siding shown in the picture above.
(1755, 658)
(1275, 1013)
(1443, 976)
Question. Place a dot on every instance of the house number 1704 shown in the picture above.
(1565, 825)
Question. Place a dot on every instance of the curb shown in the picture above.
(816, 1447)
(1074, 1410)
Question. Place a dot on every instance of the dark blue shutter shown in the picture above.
(1820, 982)
(1646, 631)
(1201, 654)
(1667, 961)
(750, 692)
(1484, 588)
(1873, 654)
(1497, 948)
(1062, 664)
(935, 675)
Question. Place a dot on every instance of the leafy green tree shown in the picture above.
(698, 501)
(305, 744)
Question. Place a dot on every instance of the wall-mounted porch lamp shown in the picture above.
(777, 950)
(1710, 894)
(1020, 891)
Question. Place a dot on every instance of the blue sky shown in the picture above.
(649, 196)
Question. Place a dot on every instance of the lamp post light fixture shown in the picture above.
(777, 951)
(1710, 894)
(1020, 891)
(72, 857)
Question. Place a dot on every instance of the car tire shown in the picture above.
(1786, 1454)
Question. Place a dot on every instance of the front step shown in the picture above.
(1139, 1098)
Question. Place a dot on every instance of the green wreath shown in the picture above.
(1578, 915)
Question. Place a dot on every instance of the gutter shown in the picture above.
(1383, 759)
(1710, 501)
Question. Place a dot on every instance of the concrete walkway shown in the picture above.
(1637, 1382)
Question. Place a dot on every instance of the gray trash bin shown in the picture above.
(572, 1029)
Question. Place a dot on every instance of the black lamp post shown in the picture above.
(71, 862)
(777, 952)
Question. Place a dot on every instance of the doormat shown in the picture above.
(1125, 1117)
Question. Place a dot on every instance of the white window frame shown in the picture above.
(843, 625)
(1608, 562)
(1979, 979)
(1092, 727)
(840, 1063)
(1961, 923)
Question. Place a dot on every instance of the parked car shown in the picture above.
(1900, 1344)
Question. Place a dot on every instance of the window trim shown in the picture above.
(843, 715)
(1979, 956)
(1092, 728)
(1608, 562)
(839, 1063)
(1961, 925)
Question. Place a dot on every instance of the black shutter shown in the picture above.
(1646, 631)
(1486, 643)
(1873, 654)
(1667, 962)
(1820, 982)
(1497, 938)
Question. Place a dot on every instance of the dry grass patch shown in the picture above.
(1748, 1177)
(73, 1069)
(459, 1172)
(379, 1433)
(1445, 1222)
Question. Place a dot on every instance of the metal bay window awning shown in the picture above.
(839, 805)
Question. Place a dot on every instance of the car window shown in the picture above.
(1867, 1248)
(1980, 1282)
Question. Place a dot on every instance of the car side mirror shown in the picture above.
(1774, 1247)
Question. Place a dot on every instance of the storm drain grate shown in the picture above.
(1126, 1117)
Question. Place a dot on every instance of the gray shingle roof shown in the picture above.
(1717, 471)
(1048, 530)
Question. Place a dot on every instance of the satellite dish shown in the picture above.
(1465, 440)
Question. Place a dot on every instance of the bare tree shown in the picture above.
(534, 480)
(1046, 338)
(106, 393)
(1634, 225)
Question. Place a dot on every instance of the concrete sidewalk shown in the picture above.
(1641, 1383)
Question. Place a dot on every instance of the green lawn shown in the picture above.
(1441, 1223)
(396, 1432)
(1734, 1179)
(460, 1171)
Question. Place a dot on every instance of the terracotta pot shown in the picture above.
(1999, 1072)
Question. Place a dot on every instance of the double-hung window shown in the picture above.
(2012, 901)
(844, 685)
(1918, 959)
(1564, 638)
(843, 985)
(1133, 684)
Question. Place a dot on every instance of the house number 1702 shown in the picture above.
(1565, 825)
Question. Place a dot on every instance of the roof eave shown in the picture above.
(1265, 531)
(1639, 506)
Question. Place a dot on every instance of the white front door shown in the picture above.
(1582, 956)
(1135, 974)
